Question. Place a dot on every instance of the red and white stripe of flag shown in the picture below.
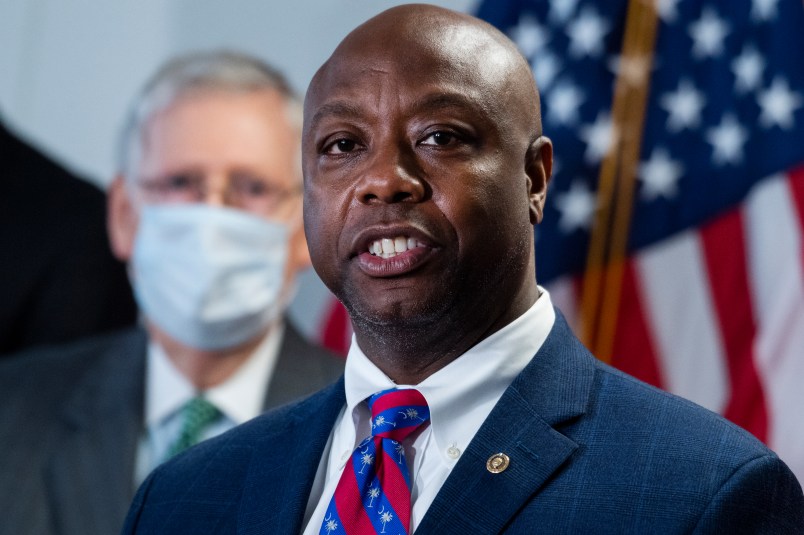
(716, 315)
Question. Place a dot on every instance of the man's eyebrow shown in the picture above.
(337, 109)
(446, 101)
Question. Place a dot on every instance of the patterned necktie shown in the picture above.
(373, 494)
(197, 415)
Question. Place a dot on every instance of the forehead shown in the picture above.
(457, 62)
(222, 128)
(263, 111)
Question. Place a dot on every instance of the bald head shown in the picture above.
(425, 170)
(459, 47)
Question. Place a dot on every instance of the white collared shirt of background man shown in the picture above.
(240, 398)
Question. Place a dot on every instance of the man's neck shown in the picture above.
(204, 368)
(410, 354)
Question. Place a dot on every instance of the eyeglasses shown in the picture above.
(241, 190)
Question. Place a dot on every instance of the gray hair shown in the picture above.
(201, 71)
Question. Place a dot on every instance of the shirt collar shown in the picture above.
(166, 389)
(462, 394)
(240, 398)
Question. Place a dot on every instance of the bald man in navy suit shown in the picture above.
(426, 170)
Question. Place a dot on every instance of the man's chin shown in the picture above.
(396, 315)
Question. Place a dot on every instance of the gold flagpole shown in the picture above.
(602, 284)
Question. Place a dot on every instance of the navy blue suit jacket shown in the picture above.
(591, 451)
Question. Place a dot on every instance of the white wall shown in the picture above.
(70, 68)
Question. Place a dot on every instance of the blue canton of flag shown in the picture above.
(726, 108)
(712, 300)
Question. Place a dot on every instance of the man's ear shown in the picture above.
(121, 219)
(539, 169)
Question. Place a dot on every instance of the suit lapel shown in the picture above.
(301, 369)
(100, 429)
(553, 388)
(292, 373)
(279, 480)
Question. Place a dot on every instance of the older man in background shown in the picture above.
(207, 212)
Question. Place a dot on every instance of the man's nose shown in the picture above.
(392, 176)
(217, 191)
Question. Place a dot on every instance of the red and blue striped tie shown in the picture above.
(373, 494)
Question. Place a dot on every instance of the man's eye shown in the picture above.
(342, 146)
(250, 186)
(440, 139)
(178, 183)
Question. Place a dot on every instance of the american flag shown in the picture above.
(708, 300)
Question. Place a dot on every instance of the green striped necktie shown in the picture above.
(197, 414)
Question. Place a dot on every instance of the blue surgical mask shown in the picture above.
(210, 277)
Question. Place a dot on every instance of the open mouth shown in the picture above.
(391, 247)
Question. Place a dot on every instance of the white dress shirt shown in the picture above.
(240, 398)
(460, 397)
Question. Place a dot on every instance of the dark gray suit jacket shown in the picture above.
(70, 422)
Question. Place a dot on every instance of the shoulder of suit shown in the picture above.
(51, 371)
(680, 422)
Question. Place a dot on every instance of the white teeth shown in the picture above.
(388, 247)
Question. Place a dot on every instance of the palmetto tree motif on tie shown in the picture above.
(197, 415)
(373, 494)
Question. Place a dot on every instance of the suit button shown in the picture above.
(497, 463)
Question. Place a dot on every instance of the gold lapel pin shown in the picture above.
(497, 463)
